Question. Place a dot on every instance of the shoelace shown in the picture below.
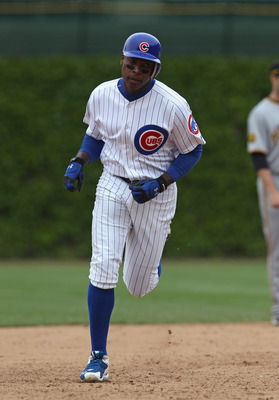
(96, 363)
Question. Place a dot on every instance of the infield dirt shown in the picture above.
(195, 361)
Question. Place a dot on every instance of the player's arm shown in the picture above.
(184, 163)
(90, 151)
(263, 172)
(146, 190)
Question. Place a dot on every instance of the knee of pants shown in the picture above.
(142, 290)
(102, 285)
(103, 277)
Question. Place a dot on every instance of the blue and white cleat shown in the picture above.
(97, 368)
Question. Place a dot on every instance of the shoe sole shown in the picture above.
(94, 378)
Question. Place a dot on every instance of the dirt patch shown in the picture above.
(212, 361)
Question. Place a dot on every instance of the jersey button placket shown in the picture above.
(125, 125)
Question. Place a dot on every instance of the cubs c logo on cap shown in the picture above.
(149, 139)
(192, 125)
(144, 46)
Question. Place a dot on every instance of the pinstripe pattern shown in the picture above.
(115, 120)
(119, 220)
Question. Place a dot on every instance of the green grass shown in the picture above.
(54, 292)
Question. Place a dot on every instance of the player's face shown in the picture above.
(136, 73)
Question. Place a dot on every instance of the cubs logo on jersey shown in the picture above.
(149, 139)
(192, 125)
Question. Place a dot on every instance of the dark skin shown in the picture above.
(136, 73)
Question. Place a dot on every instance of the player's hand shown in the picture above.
(74, 173)
(146, 190)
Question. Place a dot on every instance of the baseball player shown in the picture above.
(263, 145)
(146, 138)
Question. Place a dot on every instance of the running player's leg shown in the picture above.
(110, 224)
(146, 240)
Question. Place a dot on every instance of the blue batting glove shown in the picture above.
(74, 173)
(143, 191)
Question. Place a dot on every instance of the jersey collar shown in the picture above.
(133, 96)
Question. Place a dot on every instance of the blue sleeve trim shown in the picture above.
(92, 147)
(184, 163)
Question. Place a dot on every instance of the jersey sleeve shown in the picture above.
(186, 133)
(256, 133)
(90, 116)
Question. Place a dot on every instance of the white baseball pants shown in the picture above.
(119, 223)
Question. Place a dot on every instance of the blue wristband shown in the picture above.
(92, 147)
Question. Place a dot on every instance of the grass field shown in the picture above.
(40, 292)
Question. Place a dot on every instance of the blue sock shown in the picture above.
(100, 305)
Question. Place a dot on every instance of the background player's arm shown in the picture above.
(263, 172)
(266, 176)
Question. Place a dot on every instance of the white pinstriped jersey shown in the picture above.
(142, 137)
(263, 132)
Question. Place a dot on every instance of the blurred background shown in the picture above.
(216, 54)
(99, 27)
